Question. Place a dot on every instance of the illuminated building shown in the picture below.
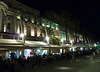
(23, 31)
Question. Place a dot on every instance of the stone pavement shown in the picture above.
(86, 63)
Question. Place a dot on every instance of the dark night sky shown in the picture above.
(86, 11)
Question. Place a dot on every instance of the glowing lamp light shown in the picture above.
(71, 41)
(18, 31)
(61, 40)
(95, 44)
(47, 38)
(22, 35)
(18, 17)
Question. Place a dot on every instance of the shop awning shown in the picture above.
(10, 41)
(79, 45)
(36, 44)
(66, 45)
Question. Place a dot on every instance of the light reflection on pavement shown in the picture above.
(64, 68)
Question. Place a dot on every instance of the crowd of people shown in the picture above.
(17, 64)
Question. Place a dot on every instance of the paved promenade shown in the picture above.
(86, 63)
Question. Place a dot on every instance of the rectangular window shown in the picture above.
(63, 36)
(52, 26)
(43, 24)
(18, 17)
(32, 20)
(48, 25)
(57, 27)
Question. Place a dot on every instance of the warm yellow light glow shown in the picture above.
(61, 40)
(32, 20)
(18, 31)
(4, 28)
(71, 41)
(47, 38)
(32, 33)
(38, 35)
(21, 35)
(25, 32)
(18, 17)
(25, 19)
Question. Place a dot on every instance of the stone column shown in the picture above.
(1, 20)
(48, 51)
(5, 23)
(7, 54)
(22, 53)
(21, 24)
(13, 24)
(18, 53)
(18, 27)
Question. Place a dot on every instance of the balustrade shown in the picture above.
(10, 36)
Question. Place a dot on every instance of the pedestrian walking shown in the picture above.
(97, 52)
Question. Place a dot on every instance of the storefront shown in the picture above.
(17, 53)
(34, 51)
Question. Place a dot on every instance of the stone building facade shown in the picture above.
(22, 30)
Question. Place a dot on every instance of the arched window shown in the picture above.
(28, 31)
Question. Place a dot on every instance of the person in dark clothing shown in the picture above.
(12, 55)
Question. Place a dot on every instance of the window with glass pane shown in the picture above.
(63, 35)
(57, 27)
(32, 20)
(52, 26)
(25, 19)
(48, 25)
(18, 17)
(43, 24)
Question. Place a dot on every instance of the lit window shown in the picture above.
(43, 24)
(57, 27)
(38, 22)
(4, 28)
(63, 36)
(18, 17)
(32, 20)
(26, 19)
(52, 26)
(48, 25)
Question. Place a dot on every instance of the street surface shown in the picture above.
(86, 63)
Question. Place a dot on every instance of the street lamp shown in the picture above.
(95, 45)
(21, 35)
(23, 40)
